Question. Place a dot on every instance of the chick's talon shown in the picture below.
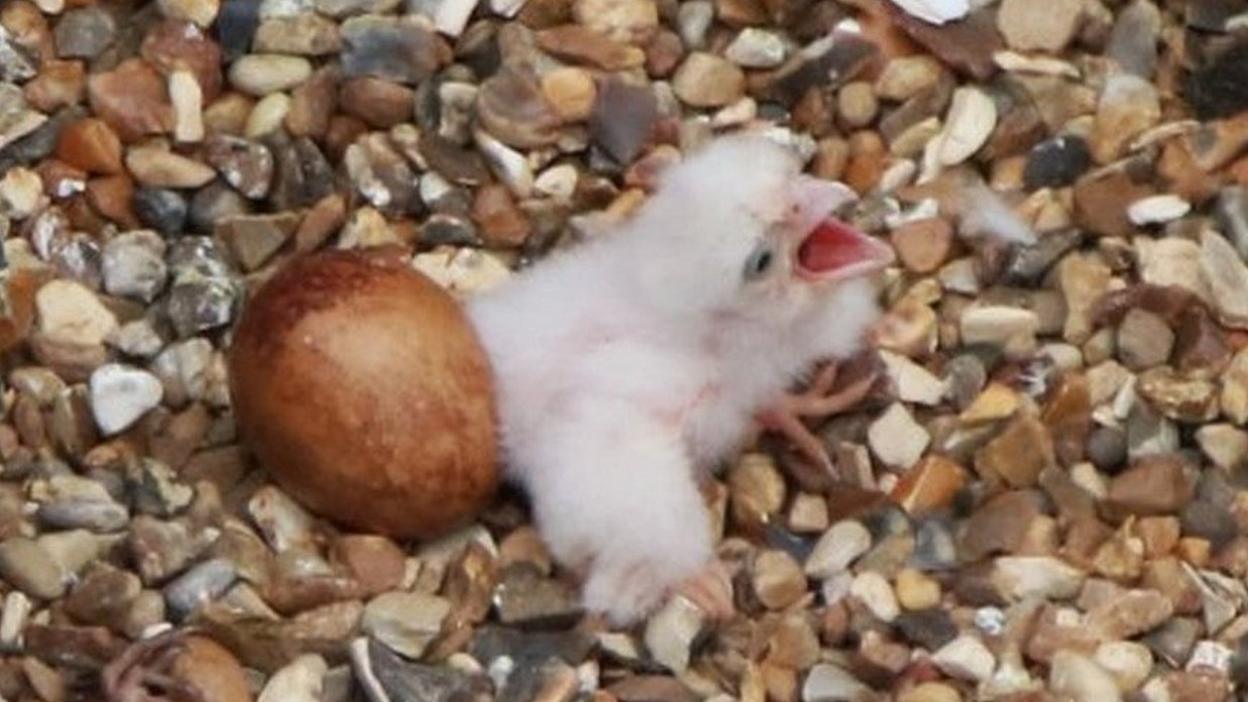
(710, 590)
(819, 402)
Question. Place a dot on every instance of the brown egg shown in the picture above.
(361, 386)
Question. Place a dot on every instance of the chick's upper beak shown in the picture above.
(829, 249)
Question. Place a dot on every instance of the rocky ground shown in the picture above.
(1046, 496)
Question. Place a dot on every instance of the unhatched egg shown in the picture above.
(361, 387)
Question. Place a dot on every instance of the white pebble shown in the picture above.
(121, 394)
(1157, 209)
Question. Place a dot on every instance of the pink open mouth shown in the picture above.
(835, 250)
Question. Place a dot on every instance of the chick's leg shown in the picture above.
(614, 492)
(786, 415)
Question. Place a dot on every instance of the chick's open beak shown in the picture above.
(829, 248)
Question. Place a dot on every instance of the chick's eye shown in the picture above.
(758, 263)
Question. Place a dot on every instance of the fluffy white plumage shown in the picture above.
(629, 363)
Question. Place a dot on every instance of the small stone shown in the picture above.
(91, 145)
(1001, 524)
(1144, 340)
(70, 313)
(17, 119)
(512, 107)
(132, 99)
(262, 74)
(905, 77)
(966, 658)
(84, 32)
(187, 100)
(120, 395)
(161, 209)
(1056, 162)
(198, 586)
(996, 402)
(757, 48)
(1226, 446)
(671, 632)
(1128, 106)
(1019, 454)
(1029, 27)
(923, 245)
(929, 486)
(628, 21)
(27, 567)
(1130, 614)
(1010, 328)
(913, 383)
(246, 165)
(778, 580)
(856, 104)
(158, 168)
(525, 597)
(376, 562)
(756, 490)
(876, 595)
(578, 44)
(839, 546)
(302, 34)
(1128, 662)
(1153, 486)
(382, 104)
(402, 50)
(302, 680)
(571, 92)
(1182, 398)
(253, 239)
(706, 80)
(21, 191)
(1082, 679)
(896, 439)
(405, 622)
(1021, 577)
(134, 265)
(1228, 279)
(1101, 202)
(1157, 209)
(623, 119)
(916, 591)
(971, 118)
(829, 683)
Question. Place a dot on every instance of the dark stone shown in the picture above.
(452, 161)
(166, 211)
(829, 63)
(929, 628)
(1212, 15)
(1056, 163)
(967, 45)
(526, 598)
(84, 32)
(1173, 641)
(404, 681)
(385, 47)
(491, 642)
(442, 229)
(1208, 521)
(1219, 88)
(213, 203)
(236, 26)
(303, 174)
(1028, 264)
(40, 143)
(623, 119)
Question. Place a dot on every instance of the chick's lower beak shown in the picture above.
(829, 248)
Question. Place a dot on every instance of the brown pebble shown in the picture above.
(113, 197)
(91, 145)
(502, 223)
(59, 84)
(132, 99)
(923, 245)
(380, 103)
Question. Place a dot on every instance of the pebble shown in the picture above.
(1021, 577)
(161, 209)
(403, 50)
(829, 683)
(1081, 678)
(1228, 278)
(157, 168)
(198, 586)
(971, 118)
(27, 567)
(965, 658)
(302, 680)
(706, 80)
(836, 549)
(84, 32)
(405, 622)
(132, 98)
(896, 439)
(121, 394)
(1144, 340)
(1030, 27)
(777, 579)
(671, 632)
(70, 313)
(134, 265)
(1128, 106)
(876, 594)
(302, 34)
(1056, 162)
(936, 12)
(1158, 209)
(628, 21)
(757, 48)
(262, 74)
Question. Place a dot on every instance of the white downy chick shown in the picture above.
(628, 363)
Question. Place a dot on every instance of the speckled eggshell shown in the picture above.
(361, 387)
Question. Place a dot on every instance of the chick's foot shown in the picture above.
(141, 672)
(818, 401)
(710, 590)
